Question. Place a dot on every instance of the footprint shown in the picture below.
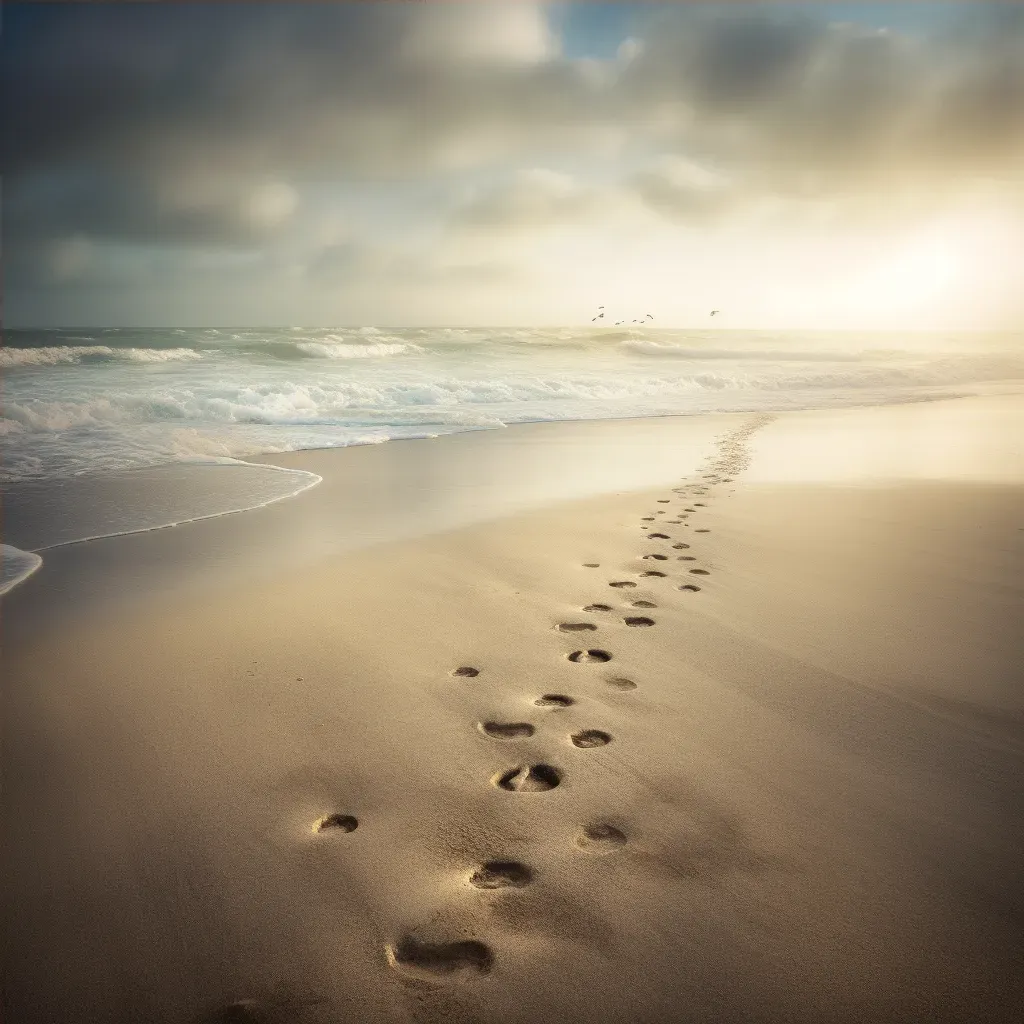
(528, 778)
(680, 547)
(600, 838)
(700, 504)
(622, 583)
(689, 510)
(506, 730)
(659, 536)
(336, 822)
(501, 874)
(700, 572)
(638, 620)
(702, 531)
(466, 671)
(672, 522)
(590, 738)
(644, 604)
(575, 627)
(652, 572)
(656, 558)
(647, 519)
(690, 586)
(621, 683)
(687, 558)
(554, 700)
(660, 512)
(591, 565)
(598, 608)
(593, 655)
(433, 962)
(663, 501)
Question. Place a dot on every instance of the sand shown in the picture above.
(459, 775)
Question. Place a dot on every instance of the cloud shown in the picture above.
(530, 198)
(478, 33)
(683, 189)
(809, 106)
(209, 127)
(156, 91)
(372, 89)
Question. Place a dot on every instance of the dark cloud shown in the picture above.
(804, 104)
(200, 125)
(311, 89)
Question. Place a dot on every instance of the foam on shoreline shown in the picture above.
(16, 566)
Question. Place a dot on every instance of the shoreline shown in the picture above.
(263, 461)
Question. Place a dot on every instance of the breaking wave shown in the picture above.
(444, 398)
(328, 350)
(109, 399)
(71, 354)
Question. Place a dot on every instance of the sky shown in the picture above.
(841, 166)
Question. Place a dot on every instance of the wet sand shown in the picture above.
(745, 746)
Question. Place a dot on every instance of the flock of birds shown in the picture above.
(600, 316)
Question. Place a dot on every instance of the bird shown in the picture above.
(649, 317)
(714, 312)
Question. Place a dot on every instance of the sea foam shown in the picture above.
(147, 397)
(56, 355)
(16, 566)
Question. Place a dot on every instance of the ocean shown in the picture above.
(114, 430)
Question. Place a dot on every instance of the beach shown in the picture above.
(709, 718)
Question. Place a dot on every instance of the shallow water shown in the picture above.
(46, 513)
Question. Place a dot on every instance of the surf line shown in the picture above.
(31, 560)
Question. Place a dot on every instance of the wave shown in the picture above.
(286, 405)
(464, 400)
(328, 350)
(56, 355)
(16, 566)
(667, 350)
(252, 390)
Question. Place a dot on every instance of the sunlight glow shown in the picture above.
(915, 276)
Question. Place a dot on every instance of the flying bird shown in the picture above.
(714, 312)
(649, 317)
